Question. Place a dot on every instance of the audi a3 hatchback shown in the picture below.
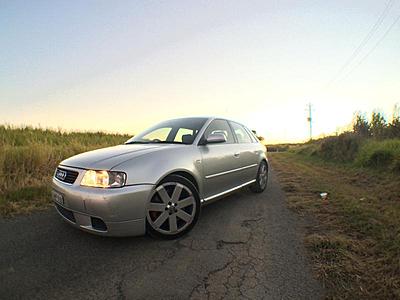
(158, 180)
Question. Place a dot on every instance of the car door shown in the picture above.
(248, 153)
(219, 160)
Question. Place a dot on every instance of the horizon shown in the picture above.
(121, 67)
(344, 129)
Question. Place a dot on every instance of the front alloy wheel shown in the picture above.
(173, 209)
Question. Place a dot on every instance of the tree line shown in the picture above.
(378, 127)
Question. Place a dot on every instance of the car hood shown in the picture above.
(107, 158)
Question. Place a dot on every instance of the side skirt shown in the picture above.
(216, 196)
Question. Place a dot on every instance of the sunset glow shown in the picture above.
(121, 66)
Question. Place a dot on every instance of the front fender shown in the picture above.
(151, 168)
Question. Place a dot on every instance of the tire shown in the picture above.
(261, 182)
(173, 209)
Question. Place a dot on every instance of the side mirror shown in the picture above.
(215, 138)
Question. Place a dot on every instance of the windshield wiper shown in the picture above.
(136, 142)
(154, 142)
(164, 142)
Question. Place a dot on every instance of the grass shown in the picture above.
(28, 158)
(354, 235)
(357, 151)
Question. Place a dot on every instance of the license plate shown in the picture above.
(57, 197)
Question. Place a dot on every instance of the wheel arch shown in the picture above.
(266, 161)
(185, 174)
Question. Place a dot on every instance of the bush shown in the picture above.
(351, 148)
(374, 144)
(380, 154)
(342, 148)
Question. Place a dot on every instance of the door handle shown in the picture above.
(237, 154)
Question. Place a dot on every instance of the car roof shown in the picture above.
(209, 119)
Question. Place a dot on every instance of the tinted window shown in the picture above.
(181, 131)
(220, 126)
(241, 134)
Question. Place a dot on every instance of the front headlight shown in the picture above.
(103, 179)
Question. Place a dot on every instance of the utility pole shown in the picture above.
(309, 119)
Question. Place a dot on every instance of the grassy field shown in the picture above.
(353, 235)
(28, 158)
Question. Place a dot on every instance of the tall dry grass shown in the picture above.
(29, 156)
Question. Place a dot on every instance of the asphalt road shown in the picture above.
(245, 246)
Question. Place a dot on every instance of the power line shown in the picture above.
(374, 47)
(366, 39)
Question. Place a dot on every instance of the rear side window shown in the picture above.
(252, 135)
(241, 134)
(220, 126)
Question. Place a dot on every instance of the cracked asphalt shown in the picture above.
(245, 246)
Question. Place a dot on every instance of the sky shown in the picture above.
(122, 66)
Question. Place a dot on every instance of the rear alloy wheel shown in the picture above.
(173, 209)
(262, 178)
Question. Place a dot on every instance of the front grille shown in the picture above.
(65, 175)
(66, 213)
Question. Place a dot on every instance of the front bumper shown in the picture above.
(110, 212)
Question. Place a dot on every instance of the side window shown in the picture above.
(241, 134)
(253, 136)
(220, 126)
(184, 135)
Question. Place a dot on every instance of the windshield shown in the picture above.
(178, 131)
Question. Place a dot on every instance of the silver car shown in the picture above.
(158, 180)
